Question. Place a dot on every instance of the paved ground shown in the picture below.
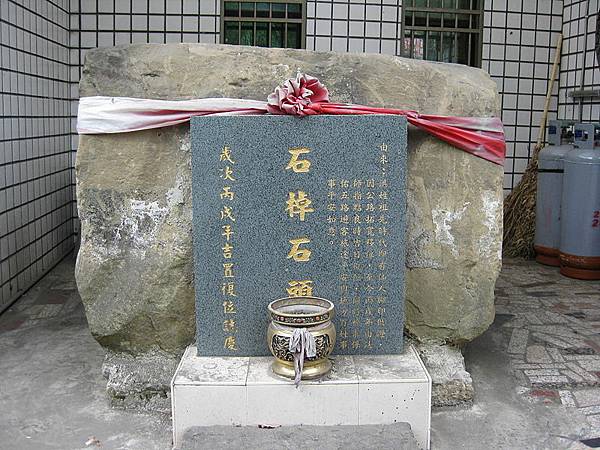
(553, 325)
(52, 394)
(535, 372)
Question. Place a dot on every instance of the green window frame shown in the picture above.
(267, 23)
(443, 30)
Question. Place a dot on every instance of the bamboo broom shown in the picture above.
(519, 205)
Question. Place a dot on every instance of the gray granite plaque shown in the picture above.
(286, 206)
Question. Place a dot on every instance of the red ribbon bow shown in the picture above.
(480, 136)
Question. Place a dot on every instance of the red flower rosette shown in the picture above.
(295, 96)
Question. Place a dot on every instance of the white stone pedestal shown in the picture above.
(360, 390)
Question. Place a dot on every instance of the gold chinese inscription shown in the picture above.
(227, 232)
(229, 307)
(228, 270)
(227, 193)
(298, 204)
(296, 164)
(230, 343)
(357, 224)
(300, 288)
(229, 325)
(227, 214)
(227, 250)
(227, 173)
(226, 155)
(299, 254)
(228, 287)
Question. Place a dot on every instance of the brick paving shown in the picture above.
(552, 329)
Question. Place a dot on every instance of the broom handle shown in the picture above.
(557, 54)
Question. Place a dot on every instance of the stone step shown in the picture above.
(380, 437)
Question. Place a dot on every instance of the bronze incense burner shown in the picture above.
(291, 313)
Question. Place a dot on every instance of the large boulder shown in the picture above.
(134, 269)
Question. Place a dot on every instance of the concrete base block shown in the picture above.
(141, 382)
(360, 390)
(451, 383)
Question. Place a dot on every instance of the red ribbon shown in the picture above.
(482, 137)
(301, 96)
(468, 134)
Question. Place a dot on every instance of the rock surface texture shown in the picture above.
(134, 269)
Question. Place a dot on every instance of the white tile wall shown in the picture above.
(579, 60)
(36, 179)
(108, 22)
(518, 52)
(370, 26)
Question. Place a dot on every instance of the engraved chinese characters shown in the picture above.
(299, 207)
(358, 226)
(228, 284)
(299, 203)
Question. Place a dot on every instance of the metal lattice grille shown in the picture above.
(443, 30)
(264, 24)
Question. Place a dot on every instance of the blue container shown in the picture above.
(580, 215)
(549, 192)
